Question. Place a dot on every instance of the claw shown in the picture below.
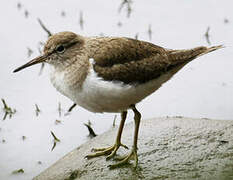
(100, 152)
(110, 151)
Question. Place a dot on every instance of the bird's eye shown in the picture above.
(60, 49)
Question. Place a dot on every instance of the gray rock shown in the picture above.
(169, 148)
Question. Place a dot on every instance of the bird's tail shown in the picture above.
(181, 56)
(210, 49)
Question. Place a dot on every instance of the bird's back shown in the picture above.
(132, 61)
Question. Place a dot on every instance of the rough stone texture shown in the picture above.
(169, 148)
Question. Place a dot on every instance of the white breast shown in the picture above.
(58, 81)
(98, 95)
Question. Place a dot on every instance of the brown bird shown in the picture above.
(111, 74)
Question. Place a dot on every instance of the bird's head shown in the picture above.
(59, 50)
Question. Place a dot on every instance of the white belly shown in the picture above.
(97, 95)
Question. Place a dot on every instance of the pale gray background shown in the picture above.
(203, 89)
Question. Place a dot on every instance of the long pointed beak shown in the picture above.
(37, 60)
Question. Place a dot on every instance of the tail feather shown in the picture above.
(181, 56)
(210, 49)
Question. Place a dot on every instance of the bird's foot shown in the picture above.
(110, 151)
(125, 159)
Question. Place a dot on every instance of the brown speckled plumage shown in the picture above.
(134, 61)
(120, 59)
(115, 59)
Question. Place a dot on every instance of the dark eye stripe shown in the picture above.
(70, 45)
(66, 46)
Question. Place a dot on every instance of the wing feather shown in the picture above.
(130, 61)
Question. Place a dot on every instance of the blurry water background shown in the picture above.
(202, 89)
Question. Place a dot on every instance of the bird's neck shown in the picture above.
(71, 77)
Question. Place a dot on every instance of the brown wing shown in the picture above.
(129, 60)
(132, 61)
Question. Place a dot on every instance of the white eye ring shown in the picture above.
(60, 49)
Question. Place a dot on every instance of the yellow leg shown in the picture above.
(111, 151)
(133, 154)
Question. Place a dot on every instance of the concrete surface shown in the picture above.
(169, 148)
